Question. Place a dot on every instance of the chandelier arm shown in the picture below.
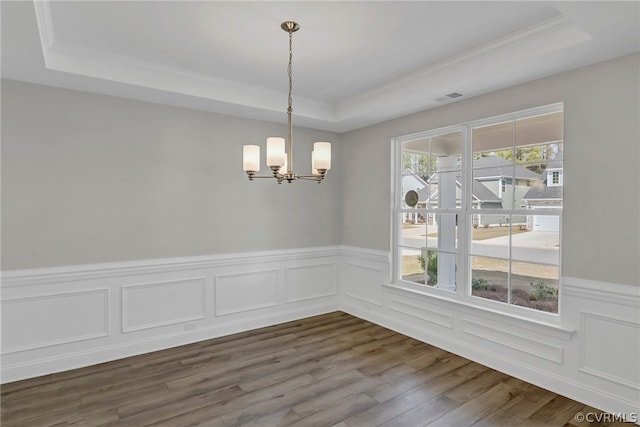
(317, 181)
(316, 178)
(280, 177)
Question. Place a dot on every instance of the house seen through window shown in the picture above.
(487, 221)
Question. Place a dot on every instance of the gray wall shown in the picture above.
(602, 138)
(89, 178)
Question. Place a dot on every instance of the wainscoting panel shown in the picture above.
(591, 355)
(235, 293)
(510, 340)
(363, 273)
(39, 321)
(173, 302)
(419, 311)
(621, 362)
(67, 317)
(311, 281)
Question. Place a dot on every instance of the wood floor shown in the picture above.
(327, 370)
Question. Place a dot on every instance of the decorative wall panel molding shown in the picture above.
(421, 312)
(75, 273)
(363, 254)
(311, 281)
(573, 358)
(620, 363)
(47, 320)
(62, 318)
(235, 293)
(362, 281)
(613, 293)
(152, 305)
(509, 339)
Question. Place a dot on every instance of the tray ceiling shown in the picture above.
(355, 63)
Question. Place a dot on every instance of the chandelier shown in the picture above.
(279, 161)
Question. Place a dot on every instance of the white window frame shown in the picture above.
(462, 294)
(398, 210)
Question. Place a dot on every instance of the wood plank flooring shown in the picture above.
(329, 370)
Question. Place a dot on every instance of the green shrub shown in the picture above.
(429, 262)
(478, 284)
(540, 291)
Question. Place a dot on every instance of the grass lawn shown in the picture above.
(411, 265)
(406, 225)
(482, 233)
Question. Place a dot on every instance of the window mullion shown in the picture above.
(396, 188)
(464, 242)
(513, 206)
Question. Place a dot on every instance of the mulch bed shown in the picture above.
(498, 289)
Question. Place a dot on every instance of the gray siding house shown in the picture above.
(497, 184)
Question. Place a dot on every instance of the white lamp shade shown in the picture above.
(275, 151)
(322, 155)
(314, 171)
(283, 168)
(251, 158)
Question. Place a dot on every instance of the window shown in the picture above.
(554, 178)
(486, 223)
(428, 239)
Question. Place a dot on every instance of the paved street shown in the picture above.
(531, 246)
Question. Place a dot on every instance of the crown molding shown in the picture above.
(413, 92)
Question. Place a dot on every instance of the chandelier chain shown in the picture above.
(290, 108)
(290, 67)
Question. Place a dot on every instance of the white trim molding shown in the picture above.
(56, 319)
(147, 80)
(575, 357)
(590, 356)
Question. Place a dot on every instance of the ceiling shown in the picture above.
(355, 63)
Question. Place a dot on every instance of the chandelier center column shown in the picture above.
(291, 27)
